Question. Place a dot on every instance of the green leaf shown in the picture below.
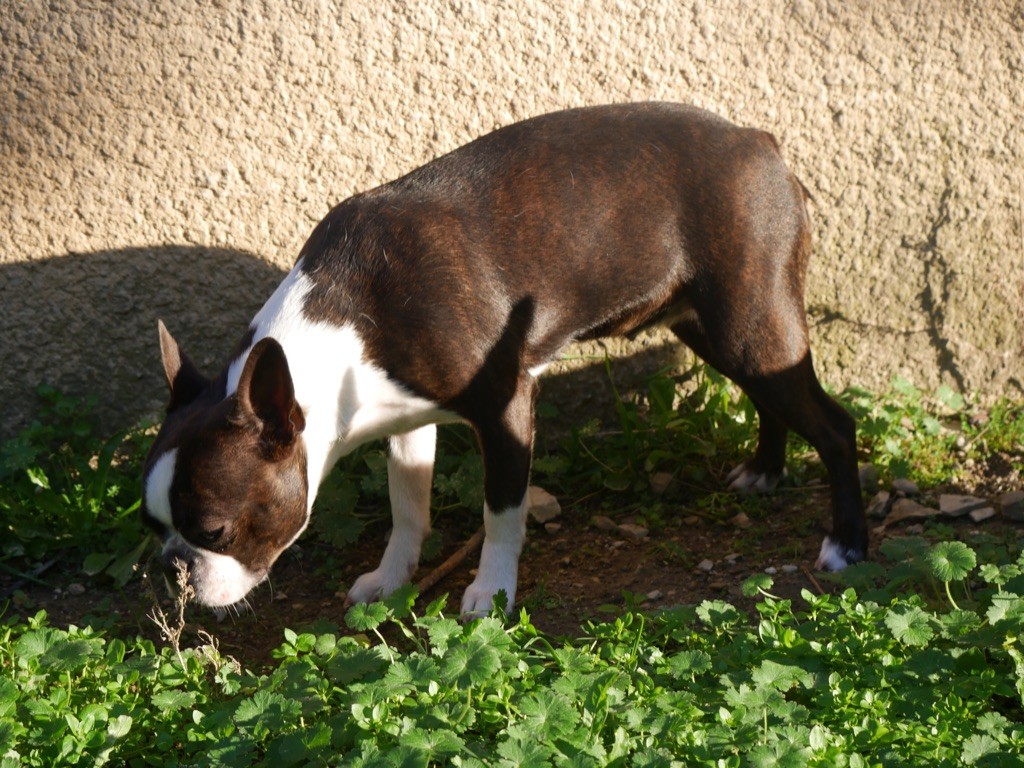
(951, 560)
(173, 700)
(96, 562)
(977, 746)
(363, 617)
(781, 677)
(438, 743)
(549, 713)
(689, 663)
(441, 632)
(471, 663)
(909, 625)
(118, 727)
(1005, 607)
(754, 585)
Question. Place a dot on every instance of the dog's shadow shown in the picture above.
(85, 323)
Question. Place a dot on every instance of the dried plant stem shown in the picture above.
(450, 564)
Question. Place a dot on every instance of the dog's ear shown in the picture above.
(266, 399)
(183, 378)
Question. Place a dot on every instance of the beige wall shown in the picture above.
(168, 157)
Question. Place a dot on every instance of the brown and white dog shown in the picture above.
(441, 296)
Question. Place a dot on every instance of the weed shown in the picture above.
(835, 680)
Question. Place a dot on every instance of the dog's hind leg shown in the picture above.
(762, 473)
(506, 440)
(780, 379)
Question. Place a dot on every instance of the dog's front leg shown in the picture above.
(507, 443)
(410, 473)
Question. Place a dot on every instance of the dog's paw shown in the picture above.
(835, 556)
(748, 479)
(478, 599)
(375, 585)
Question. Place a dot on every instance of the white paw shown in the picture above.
(832, 556)
(745, 480)
(376, 585)
(478, 599)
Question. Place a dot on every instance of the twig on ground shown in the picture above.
(24, 578)
(810, 577)
(450, 564)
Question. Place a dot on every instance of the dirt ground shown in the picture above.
(569, 574)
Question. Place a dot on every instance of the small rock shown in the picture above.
(741, 520)
(733, 557)
(915, 530)
(718, 585)
(633, 531)
(957, 505)
(654, 594)
(566, 561)
(691, 520)
(868, 477)
(660, 482)
(706, 565)
(904, 487)
(552, 527)
(771, 570)
(603, 522)
(1012, 504)
(75, 589)
(542, 505)
(983, 514)
(790, 568)
(879, 505)
(904, 509)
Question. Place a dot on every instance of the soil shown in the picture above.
(568, 574)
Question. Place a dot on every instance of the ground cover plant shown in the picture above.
(912, 659)
(832, 681)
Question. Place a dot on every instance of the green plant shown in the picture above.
(911, 434)
(63, 488)
(835, 681)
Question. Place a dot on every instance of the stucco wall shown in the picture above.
(165, 158)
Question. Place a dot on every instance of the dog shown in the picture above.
(441, 296)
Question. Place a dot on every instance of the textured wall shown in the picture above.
(167, 158)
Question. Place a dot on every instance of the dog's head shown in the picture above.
(225, 484)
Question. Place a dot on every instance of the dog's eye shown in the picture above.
(208, 539)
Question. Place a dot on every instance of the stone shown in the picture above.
(771, 570)
(706, 565)
(603, 523)
(790, 568)
(691, 520)
(983, 514)
(741, 520)
(868, 477)
(905, 509)
(660, 482)
(76, 589)
(958, 505)
(1012, 505)
(552, 527)
(633, 531)
(878, 507)
(654, 594)
(904, 487)
(542, 505)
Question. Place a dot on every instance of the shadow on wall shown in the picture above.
(86, 323)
